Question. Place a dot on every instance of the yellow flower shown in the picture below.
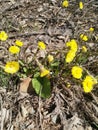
(84, 49)
(88, 84)
(3, 36)
(44, 72)
(14, 49)
(41, 45)
(19, 43)
(70, 56)
(72, 44)
(84, 37)
(50, 58)
(81, 5)
(11, 67)
(91, 29)
(65, 3)
(77, 72)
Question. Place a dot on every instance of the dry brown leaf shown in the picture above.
(26, 86)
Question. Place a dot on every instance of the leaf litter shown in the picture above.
(67, 108)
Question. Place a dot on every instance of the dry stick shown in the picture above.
(40, 115)
(27, 34)
(2, 119)
(10, 120)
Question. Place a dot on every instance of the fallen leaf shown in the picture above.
(26, 86)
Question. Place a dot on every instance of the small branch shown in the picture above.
(27, 34)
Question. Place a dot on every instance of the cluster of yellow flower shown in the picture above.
(43, 71)
(72, 52)
(11, 66)
(46, 72)
(15, 49)
(89, 80)
(77, 71)
(65, 4)
(85, 37)
(74, 46)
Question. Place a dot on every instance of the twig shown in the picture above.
(2, 119)
(27, 34)
(40, 115)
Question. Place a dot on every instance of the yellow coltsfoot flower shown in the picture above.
(73, 45)
(65, 3)
(50, 58)
(14, 49)
(44, 72)
(70, 56)
(77, 72)
(19, 43)
(41, 45)
(84, 37)
(84, 49)
(81, 5)
(3, 36)
(88, 84)
(11, 67)
(91, 29)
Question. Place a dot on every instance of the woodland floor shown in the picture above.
(46, 20)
